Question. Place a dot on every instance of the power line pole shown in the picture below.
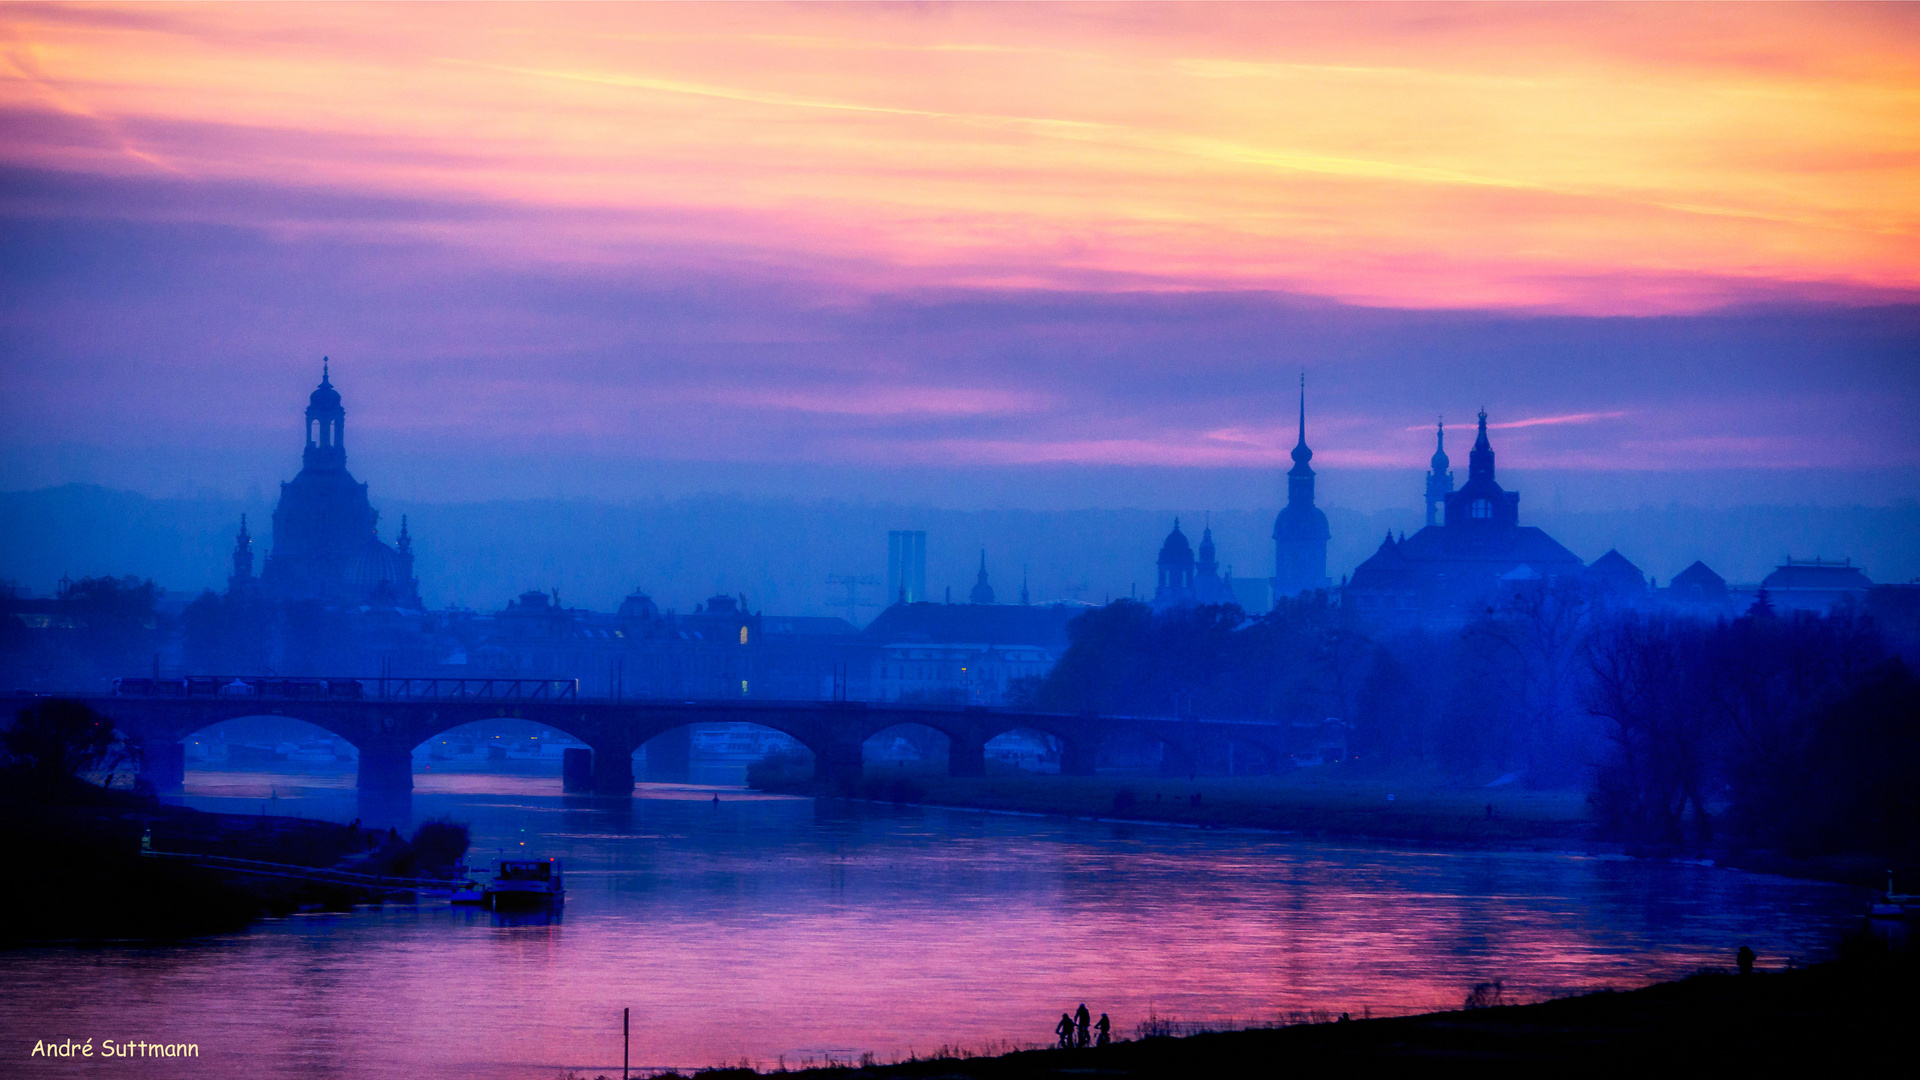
(852, 603)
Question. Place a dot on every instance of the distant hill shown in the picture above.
(780, 552)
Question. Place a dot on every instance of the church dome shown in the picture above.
(376, 564)
(1176, 549)
(324, 399)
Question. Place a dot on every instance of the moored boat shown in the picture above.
(523, 883)
(1893, 905)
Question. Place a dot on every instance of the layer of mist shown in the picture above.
(780, 552)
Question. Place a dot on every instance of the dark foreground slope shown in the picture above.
(1840, 1016)
(77, 874)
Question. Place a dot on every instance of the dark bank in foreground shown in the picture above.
(1851, 1012)
(85, 846)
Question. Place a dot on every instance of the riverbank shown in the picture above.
(1329, 802)
(84, 880)
(1850, 1013)
(1421, 808)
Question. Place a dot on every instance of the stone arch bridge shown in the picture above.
(386, 719)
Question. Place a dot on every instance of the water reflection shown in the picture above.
(763, 926)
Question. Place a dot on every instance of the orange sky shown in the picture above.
(1618, 159)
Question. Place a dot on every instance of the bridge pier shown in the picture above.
(613, 769)
(840, 762)
(1076, 757)
(966, 757)
(576, 769)
(163, 764)
(386, 768)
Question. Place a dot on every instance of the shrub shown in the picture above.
(54, 740)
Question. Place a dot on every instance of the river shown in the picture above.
(774, 929)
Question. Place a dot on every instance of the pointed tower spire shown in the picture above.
(1300, 482)
(1300, 531)
(1440, 477)
(1480, 458)
(1024, 599)
(982, 591)
(242, 577)
(1301, 453)
(1303, 408)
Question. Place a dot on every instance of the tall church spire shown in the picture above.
(1300, 477)
(982, 592)
(1300, 532)
(1301, 453)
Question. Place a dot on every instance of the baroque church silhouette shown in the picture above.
(326, 544)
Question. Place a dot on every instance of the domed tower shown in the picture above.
(1176, 565)
(1440, 478)
(326, 425)
(325, 545)
(1300, 532)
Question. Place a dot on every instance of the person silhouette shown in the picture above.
(1081, 1018)
(1064, 1029)
(1104, 1027)
(1745, 959)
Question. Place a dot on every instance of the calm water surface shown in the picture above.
(766, 927)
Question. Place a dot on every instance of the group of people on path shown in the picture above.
(1075, 1031)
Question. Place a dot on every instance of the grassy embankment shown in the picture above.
(1421, 807)
(80, 876)
(1844, 1016)
(1331, 801)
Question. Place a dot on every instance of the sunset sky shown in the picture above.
(1643, 237)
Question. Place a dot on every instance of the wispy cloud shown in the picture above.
(1626, 160)
(1569, 418)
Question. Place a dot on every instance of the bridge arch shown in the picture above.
(258, 738)
(712, 751)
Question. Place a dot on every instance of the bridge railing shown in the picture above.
(479, 689)
(347, 689)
